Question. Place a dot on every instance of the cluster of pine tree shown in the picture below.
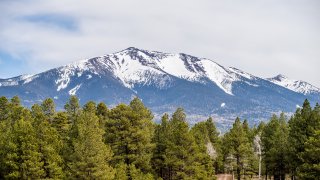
(94, 142)
(288, 147)
(293, 146)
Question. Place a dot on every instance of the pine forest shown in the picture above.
(94, 141)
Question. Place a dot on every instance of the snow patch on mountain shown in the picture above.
(89, 76)
(131, 71)
(74, 90)
(175, 66)
(9, 82)
(294, 85)
(219, 75)
(29, 78)
(23, 79)
(76, 68)
(241, 73)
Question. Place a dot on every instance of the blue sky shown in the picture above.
(264, 37)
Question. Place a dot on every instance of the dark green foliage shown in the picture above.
(62, 124)
(129, 131)
(91, 156)
(95, 142)
(4, 105)
(303, 125)
(102, 113)
(238, 147)
(23, 158)
(50, 144)
(275, 146)
(178, 155)
(310, 169)
(48, 107)
(161, 139)
(72, 107)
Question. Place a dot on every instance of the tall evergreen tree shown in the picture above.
(302, 125)
(23, 159)
(62, 124)
(310, 168)
(184, 159)
(73, 108)
(274, 144)
(4, 132)
(48, 108)
(216, 143)
(50, 144)
(238, 146)
(102, 113)
(91, 156)
(206, 151)
(161, 138)
(129, 131)
(4, 108)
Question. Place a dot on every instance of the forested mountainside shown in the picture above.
(123, 142)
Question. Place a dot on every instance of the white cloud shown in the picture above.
(262, 37)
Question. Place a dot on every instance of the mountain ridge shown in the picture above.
(164, 81)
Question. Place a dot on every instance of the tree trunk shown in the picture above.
(238, 169)
(266, 173)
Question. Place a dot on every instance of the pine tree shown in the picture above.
(50, 144)
(62, 124)
(310, 168)
(73, 108)
(216, 144)
(251, 165)
(161, 138)
(302, 125)
(15, 101)
(274, 144)
(102, 113)
(4, 132)
(91, 156)
(129, 131)
(206, 152)
(128, 172)
(183, 158)
(212, 131)
(238, 146)
(4, 108)
(48, 108)
(23, 159)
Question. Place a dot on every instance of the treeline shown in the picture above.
(289, 148)
(94, 142)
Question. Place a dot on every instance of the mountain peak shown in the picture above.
(131, 49)
(280, 77)
(294, 85)
(164, 81)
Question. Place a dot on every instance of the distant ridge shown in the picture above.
(165, 81)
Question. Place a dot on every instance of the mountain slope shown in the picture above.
(294, 85)
(164, 82)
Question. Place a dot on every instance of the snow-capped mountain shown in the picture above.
(294, 85)
(164, 81)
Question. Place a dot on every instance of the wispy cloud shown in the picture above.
(261, 37)
(52, 21)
